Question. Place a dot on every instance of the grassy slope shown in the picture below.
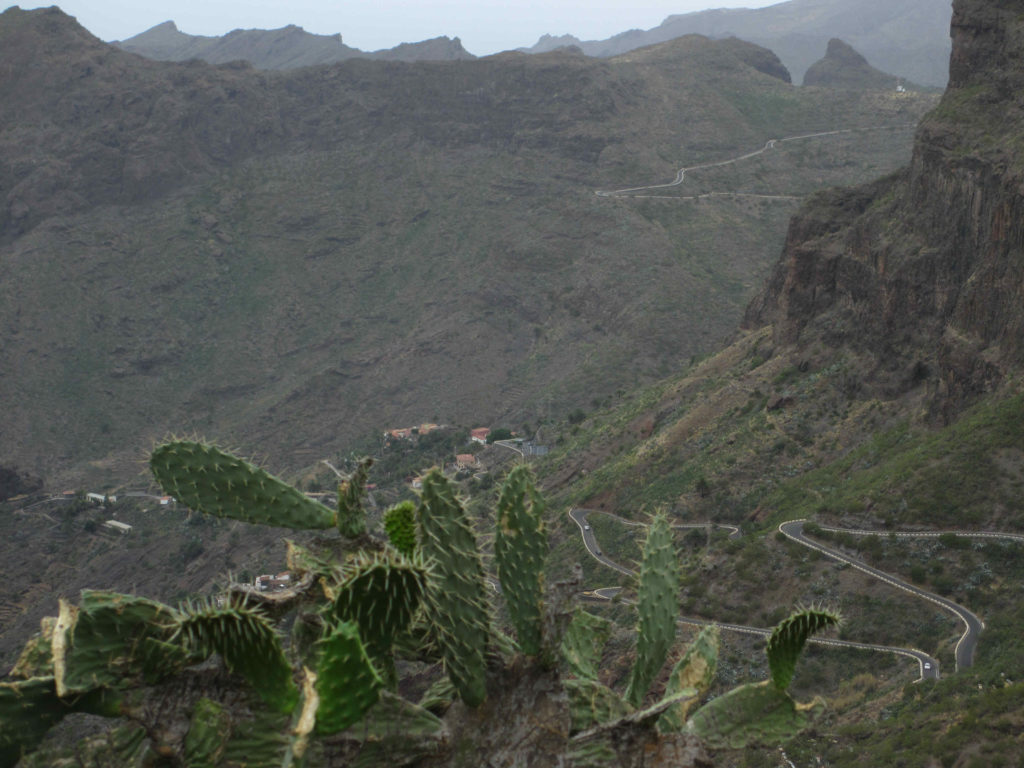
(773, 442)
(382, 248)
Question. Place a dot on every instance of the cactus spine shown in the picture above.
(658, 607)
(456, 595)
(520, 546)
(216, 483)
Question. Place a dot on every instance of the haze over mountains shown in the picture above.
(909, 38)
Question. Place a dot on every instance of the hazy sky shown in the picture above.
(485, 26)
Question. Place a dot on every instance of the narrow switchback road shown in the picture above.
(928, 666)
(973, 625)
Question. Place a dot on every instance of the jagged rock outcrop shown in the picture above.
(924, 270)
(844, 67)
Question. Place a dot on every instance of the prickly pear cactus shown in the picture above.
(112, 640)
(757, 713)
(658, 607)
(246, 642)
(400, 526)
(696, 671)
(380, 593)
(214, 482)
(456, 603)
(346, 683)
(584, 643)
(789, 637)
(520, 547)
(351, 515)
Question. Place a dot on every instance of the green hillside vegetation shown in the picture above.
(294, 260)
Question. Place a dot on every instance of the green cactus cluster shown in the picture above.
(418, 597)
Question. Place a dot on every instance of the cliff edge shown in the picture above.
(922, 272)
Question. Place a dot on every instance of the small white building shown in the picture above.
(118, 527)
(269, 582)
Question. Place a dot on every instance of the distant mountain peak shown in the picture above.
(907, 37)
(844, 52)
(844, 67)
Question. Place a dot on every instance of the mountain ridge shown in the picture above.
(284, 48)
(906, 37)
(296, 260)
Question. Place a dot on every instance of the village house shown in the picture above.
(466, 461)
(479, 435)
(270, 583)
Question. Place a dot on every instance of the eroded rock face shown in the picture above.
(925, 269)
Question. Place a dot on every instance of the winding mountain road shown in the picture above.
(928, 666)
(973, 625)
(768, 145)
(794, 530)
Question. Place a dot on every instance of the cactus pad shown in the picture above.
(346, 683)
(208, 734)
(380, 593)
(695, 670)
(28, 709)
(246, 642)
(400, 525)
(584, 643)
(592, 703)
(214, 482)
(788, 639)
(36, 659)
(520, 547)
(751, 714)
(456, 603)
(351, 515)
(658, 608)
(109, 641)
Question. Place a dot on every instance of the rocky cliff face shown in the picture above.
(924, 270)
